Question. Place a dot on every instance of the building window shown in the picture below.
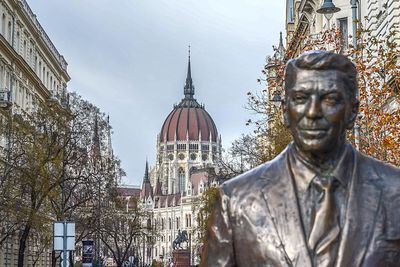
(345, 33)
(205, 148)
(181, 146)
(9, 31)
(17, 43)
(193, 147)
(3, 25)
(24, 50)
(290, 11)
(170, 223)
(181, 179)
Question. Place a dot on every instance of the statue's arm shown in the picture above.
(219, 243)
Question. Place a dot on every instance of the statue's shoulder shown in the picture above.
(261, 175)
(389, 174)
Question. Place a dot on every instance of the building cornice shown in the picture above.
(21, 64)
(41, 36)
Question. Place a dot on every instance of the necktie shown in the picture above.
(326, 228)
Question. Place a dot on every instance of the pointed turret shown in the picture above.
(146, 173)
(280, 53)
(146, 186)
(280, 41)
(109, 142)
(96, 141)
(189, 87)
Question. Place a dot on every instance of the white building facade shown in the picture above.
(31, 71)
(302, 18)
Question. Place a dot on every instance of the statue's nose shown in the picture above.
(314, 107)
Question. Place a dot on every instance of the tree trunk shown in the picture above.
(71, 259)
(22, 245)
(53, 259)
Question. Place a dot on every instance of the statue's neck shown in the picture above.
(321, 160)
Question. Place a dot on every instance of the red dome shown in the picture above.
(191, 119)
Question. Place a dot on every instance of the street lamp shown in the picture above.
(328, 9)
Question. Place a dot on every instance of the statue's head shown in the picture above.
(321, 100)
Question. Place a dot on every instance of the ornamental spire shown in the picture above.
(146, 173)
(189, 88)
(280, 40)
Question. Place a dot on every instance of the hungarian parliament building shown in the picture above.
(188, 152)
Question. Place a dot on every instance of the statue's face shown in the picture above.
(319, 110)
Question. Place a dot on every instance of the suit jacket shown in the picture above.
(257, 221)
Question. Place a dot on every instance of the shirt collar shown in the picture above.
(304, 171)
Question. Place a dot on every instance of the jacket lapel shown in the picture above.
(363, 203)
(282, 204)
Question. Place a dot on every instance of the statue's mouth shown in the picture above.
(313, 133)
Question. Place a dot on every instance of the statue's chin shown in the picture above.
(316, 145)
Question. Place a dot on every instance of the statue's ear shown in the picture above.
(285, 112)
(353, 115)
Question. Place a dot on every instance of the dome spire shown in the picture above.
(189, 88)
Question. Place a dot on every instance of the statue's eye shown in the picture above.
(300, 98)
(332, 99)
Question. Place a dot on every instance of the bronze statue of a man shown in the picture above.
(320, 202)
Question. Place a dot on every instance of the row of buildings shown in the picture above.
(31, 71)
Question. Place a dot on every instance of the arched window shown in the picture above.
(181, 179)
(9, 31)
(3, 25)
(24, 50)
(17, 43)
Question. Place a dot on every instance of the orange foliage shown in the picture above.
(377, 61)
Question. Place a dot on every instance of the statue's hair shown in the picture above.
(323, 60)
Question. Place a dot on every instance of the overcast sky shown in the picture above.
(129, 58)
